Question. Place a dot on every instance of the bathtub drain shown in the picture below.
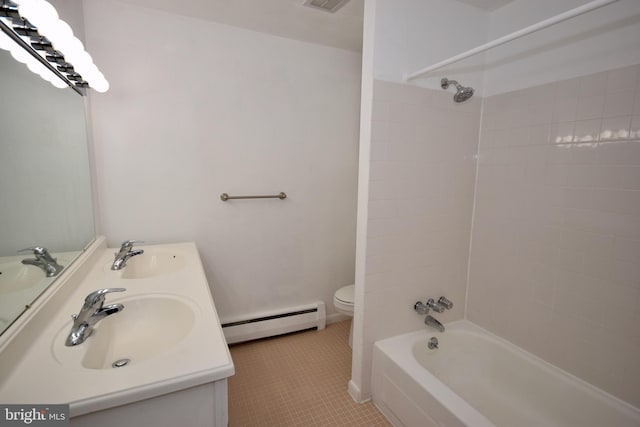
(120, 363)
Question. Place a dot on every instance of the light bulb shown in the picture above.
(100, 85)
(72, 49)
(19, 54)
(43, 16)
(39, 12)
(82, 63)
(57, 82)
(58, 33)
(35, 66)
(5, 41)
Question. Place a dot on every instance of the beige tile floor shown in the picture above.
(297, 380)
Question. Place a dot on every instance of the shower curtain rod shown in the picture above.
(515, 35)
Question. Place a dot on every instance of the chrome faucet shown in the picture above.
(43, 260)
(436, 306)
(434, 323)
(421, 308)
(93, 310)
(126, 252)
(441, 305)
(445, 303)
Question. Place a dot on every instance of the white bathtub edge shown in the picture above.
(453, 403)
(398, 349)
(549, 366)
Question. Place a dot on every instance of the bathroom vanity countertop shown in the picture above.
(49, 372)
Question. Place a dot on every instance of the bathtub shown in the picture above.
(477, 379)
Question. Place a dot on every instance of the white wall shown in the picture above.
(413, 34)
(196, 109)
(71, 12)
(600, 40)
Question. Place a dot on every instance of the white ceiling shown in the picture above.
(488, 5)
(287, 18)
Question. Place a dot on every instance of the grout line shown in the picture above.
(473, 211)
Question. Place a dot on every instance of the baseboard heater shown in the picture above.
(262, 325)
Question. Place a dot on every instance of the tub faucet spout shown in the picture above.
(434, 323)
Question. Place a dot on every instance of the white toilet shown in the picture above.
(343, 303)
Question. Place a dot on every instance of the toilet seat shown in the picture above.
(343, 302)
(343, 299)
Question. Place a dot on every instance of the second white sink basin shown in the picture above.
(153, 263)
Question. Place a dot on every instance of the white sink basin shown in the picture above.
(153, 263)
(149, 326)
(15, 276)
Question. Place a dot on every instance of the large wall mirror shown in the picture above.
(45, 189)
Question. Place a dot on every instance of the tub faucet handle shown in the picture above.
(436, 306)
(448, 304)
(421, 307)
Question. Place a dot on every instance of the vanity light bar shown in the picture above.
(49, 38)
(22, 52)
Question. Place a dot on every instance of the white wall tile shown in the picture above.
(591, 85)
(615, 128)
(619, 153)
(587, 130)
(618, 103)
(635, 128)
(421, 198)
(636, 103)
(564, 109)
(590, 107)
(562, 132)
(552, 238)
(626, 249)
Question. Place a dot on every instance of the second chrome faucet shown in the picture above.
(124, 254)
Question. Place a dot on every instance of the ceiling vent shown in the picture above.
(326, 5)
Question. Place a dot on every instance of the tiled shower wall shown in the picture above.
(422, 172)
(555, 252)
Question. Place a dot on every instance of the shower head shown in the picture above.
(462, 94)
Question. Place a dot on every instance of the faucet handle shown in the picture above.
(436, 306)
(421, 307)
(37, 250)
(97, 297)
(446, 303)
(129, 243)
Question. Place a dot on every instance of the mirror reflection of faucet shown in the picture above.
(125, 253)
(93, 310)
(43, 260)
